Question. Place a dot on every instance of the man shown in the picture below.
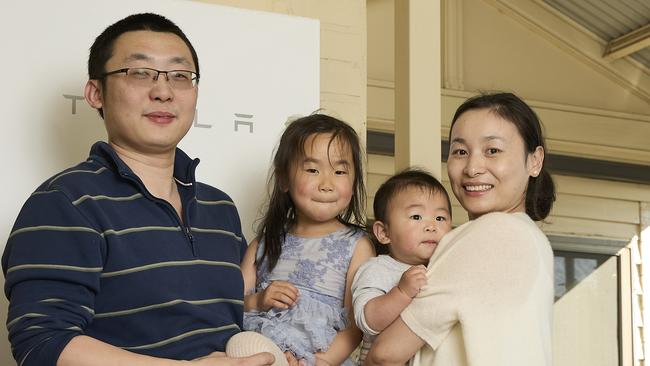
(125, 258)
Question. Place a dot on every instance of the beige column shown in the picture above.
(642, 350)
(418, 84)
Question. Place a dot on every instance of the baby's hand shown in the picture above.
(279, 294)
(413, 279)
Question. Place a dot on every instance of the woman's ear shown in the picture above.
(381, 232)
(535, 161)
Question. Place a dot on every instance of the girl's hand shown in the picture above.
(413, 279)
(220, 359)
(291, 359)
(279, 294)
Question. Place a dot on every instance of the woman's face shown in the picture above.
(488, 166)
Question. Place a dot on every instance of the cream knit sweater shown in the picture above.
(489, 296)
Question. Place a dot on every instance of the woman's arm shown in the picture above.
(387, 351)
(491, 268)
(348, 340)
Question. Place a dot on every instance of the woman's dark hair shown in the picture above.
(102, 49)
(409, 177)
(540, 193)
(280, 215)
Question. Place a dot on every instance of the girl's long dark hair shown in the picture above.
(280, 215)
(540, 194)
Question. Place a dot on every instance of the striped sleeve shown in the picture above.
(52, 265)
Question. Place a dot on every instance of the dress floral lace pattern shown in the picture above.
(318, 268)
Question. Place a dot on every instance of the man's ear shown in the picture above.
(93, 94)
(381, 232)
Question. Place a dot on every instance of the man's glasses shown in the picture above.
(146, 77)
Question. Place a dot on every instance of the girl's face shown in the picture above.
(321, 182)
(488, 166)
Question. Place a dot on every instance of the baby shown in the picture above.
(412, 213)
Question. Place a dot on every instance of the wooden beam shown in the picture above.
(417, 85)
(628, 43)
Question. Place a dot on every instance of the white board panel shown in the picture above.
(256, 68)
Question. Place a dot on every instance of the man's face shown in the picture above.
(147, 119)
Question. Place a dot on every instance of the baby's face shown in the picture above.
(417, 220)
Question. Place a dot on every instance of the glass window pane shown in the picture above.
(560, 277)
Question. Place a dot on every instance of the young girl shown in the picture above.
(298, 271)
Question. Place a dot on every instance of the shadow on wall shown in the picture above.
(50, 146)
(5, 349)
(75, 129)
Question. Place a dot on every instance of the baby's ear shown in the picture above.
(381, 232)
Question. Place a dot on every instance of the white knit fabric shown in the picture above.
(246, 344)
(489, 297)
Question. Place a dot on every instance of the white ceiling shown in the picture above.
(609, 19)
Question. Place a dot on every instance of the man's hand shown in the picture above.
(413, 279)
(279, 294)
(220, 359)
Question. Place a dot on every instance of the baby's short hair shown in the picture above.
(409, 177)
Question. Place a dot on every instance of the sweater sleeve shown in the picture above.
(369, 282)
(481, 273)
(52, 265)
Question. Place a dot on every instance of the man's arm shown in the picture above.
(87, 351)
(52, 265)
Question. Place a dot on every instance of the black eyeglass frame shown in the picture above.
(195, 76)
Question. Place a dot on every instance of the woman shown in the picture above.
(489, 295)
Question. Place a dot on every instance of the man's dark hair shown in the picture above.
(102, 48)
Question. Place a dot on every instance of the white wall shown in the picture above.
(252, 63)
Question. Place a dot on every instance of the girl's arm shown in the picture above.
(249, 271)
(248, 268)
(387, 351)
(279, 294)
(349, 338)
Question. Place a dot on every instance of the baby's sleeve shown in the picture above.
(369, 282)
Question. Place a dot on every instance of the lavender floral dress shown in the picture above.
(318, 268)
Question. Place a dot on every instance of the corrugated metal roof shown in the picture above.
(609, 19)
